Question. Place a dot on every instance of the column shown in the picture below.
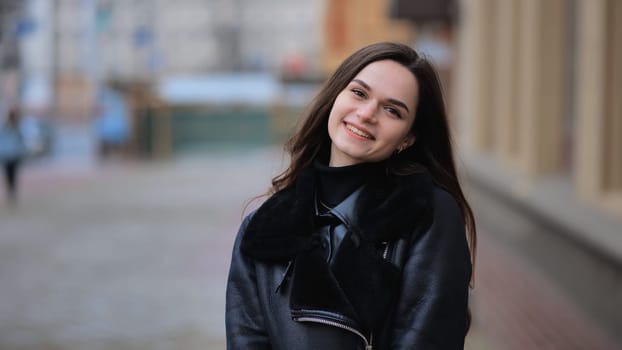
(591, 97)
(541, 85)
(613, 109)
(475, 67)
(505, 103)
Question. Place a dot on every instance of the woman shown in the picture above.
(12, 150)
(362, 244)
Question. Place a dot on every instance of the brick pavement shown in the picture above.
(519, 309)
(133, 256)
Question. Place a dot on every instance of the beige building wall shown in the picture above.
(614, 86)
(506, 75)
(541, 85)
(513, 99)
(591, 100)
(515, 53)
(482, 23)
(599, 103)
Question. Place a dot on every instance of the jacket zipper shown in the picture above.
(386, 250)
(368, 343)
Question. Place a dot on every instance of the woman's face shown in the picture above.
(372, 117)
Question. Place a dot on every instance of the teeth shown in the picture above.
(358, 132)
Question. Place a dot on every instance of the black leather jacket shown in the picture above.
(340, 287)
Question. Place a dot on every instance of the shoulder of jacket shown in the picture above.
(444, 203)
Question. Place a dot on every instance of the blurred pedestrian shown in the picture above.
(367, 240)
(12, 151)
(112, 123)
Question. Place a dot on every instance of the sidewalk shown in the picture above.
(131, 257)
(135, 256)
(519, 309)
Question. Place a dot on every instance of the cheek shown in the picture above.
(332, 116)
(336, 115)
(339, 106)
(333, 122)
(397, 134)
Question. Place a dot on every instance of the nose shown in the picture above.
(367, 112)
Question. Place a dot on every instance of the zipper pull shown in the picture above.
(385, 252)
(369, 345)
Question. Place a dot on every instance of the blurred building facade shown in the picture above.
(538, 109)
(79, 44)
(143, 39)
(541, 91)
(9, 53)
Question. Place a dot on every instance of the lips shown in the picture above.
(358, 131)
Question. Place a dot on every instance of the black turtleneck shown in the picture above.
(336, 183)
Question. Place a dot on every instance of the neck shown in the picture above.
(336, 183)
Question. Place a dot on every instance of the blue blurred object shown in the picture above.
(36, 135)
(221, 89)
(11, 143)
(112, 121)
(143, 36)
(25, 26)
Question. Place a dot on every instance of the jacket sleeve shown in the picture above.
(432, 308)
(244, 320)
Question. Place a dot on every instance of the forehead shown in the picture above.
(391, 80)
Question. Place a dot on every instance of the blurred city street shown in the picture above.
(135, 256)
(147, 129)
(128, 256)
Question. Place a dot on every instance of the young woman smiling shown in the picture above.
(367, 240)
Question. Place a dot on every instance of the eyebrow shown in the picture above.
(390, 100)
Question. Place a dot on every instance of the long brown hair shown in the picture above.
(433, 145)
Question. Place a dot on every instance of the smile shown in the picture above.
(358, 132)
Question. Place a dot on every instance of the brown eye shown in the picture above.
(358, 92)
(393, 111)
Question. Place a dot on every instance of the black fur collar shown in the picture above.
(388, 207)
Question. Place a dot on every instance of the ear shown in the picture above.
(409, 140)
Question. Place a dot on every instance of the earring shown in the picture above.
(400, 149)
